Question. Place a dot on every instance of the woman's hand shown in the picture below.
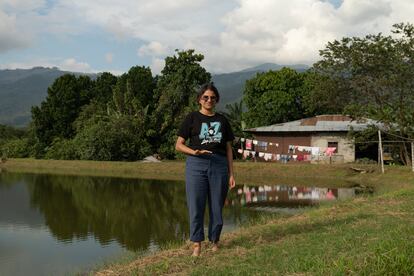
(201, 152)
(232, 182)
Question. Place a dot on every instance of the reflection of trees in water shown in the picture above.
(133, 212)
(9, 179)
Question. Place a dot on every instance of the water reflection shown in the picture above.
(129, 211)
(287, 196)
(57, 223)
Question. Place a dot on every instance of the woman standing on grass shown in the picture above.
(209, 166)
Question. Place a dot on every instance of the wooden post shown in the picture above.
(412, 156)
(381, 153)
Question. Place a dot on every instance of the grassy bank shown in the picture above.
(246, 172)
(365, 236)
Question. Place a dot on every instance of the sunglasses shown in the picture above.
(212, 98)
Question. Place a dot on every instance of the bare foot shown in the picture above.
(196, 249)
(214, 247)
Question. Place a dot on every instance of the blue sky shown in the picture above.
(105, 35)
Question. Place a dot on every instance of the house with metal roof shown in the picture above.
(321, 131)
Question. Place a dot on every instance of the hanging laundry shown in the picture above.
(330, 151)
(255, 142)
(248, 144)
(315, 150)
(240, 150)
(261, 154)
(268, 156)
(242, 139)
(270, 144)
(294, 157)
(277, 157)
(300, 157)
(265, 145)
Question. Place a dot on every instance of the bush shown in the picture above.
(120, 138)
(62, 149)
(16, 148)
(365, 161)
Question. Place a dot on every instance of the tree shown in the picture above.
(55, 116)
(274, 97)
(175, 95)
(373, 77)
(234, 115)
(133, 92)
(102, 90)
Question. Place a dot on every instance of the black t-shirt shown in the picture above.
(206, 132)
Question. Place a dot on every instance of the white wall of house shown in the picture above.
(346, 147)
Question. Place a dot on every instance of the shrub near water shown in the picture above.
(117, 139)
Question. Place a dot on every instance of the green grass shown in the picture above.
(365, 236)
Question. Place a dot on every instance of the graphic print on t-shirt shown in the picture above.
(210, 133)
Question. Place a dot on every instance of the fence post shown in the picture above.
(412, 156)
(381, 153)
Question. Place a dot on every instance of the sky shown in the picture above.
(107, 35)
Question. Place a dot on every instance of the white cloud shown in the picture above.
(157, 65)
(73, 65)
(232, 34)
(22, 5)
(154, 48)
(109, 57)
(10, 37)
(288, 32)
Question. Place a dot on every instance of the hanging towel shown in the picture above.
(268, 156)
(315, 150)
(248, 144)
(261, 154)
(330, 151)
(255, 142)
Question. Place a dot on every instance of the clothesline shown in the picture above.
(306, 152)
(392, 141)
(402, 137)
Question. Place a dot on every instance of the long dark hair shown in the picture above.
(205, 87)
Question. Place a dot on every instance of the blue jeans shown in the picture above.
(206, 178)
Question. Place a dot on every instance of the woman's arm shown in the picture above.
(182, 147)
(229, 154)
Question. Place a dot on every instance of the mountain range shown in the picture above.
(20, 89)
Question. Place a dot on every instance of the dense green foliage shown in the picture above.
(274, 97)
(112, 118)
(371, 77)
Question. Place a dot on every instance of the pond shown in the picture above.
(55, 225)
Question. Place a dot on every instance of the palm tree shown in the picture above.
(234, 115)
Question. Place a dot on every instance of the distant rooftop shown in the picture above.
(319, 123)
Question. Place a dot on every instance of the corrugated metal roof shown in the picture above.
(319, 123)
